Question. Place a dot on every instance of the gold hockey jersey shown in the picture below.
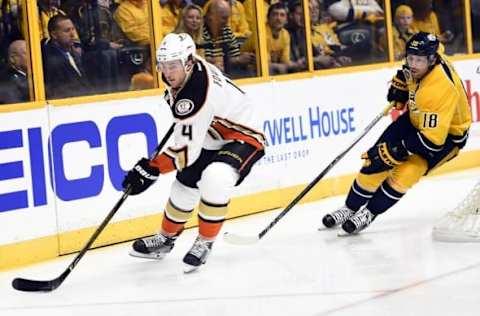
(438, 104)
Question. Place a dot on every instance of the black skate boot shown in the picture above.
(359, 221)
(154, 247)
(337, 217)
(197, 255)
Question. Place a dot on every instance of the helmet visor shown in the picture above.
(170, 66)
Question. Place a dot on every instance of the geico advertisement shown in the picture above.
(81, 154)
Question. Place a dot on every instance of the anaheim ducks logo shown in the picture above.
(183, 107)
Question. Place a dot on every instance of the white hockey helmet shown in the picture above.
(176, 47)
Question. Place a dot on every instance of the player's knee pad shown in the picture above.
(404, 176)
(183, 197)
(217, 183)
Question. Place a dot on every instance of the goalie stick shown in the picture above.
(28, 285)
(248, 240)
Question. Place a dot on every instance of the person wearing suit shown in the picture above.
(62, 65)
(14, 81)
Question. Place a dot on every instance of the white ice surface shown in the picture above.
(392, 268)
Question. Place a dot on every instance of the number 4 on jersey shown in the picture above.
(187, 131)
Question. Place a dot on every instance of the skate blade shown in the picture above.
(324, 228)
(342, 233)
(153, 255)
(187, 268)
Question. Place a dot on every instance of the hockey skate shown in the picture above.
(154, 247)
(337, 217)
(358, 222)
(198, 254)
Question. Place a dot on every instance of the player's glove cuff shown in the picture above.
(398, 91)
(383, 156)
(141, 177)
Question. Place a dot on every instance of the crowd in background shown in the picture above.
(101, 46)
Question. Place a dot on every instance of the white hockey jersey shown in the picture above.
(209, 111)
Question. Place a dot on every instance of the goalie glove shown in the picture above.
(398, 91)
(141, 177)
(383, 156)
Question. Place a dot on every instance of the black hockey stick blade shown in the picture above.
(26, 285)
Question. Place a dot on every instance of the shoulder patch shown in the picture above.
(193, 95)
(183, 107)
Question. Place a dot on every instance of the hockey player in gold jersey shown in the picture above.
(429, 133)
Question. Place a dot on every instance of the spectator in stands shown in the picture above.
(402, 30)
(426, 20)
(250, 17)
(328, 52)
(354, 10)
(62, 66)
(250, 44)
(238, 21)
(14, 82)
(191, 22)
(221, 46)
(11, 26)
(296, 29)
(132, 18)
(46, 10)
(278, 41)
(95, 25)
(451, 16)
(101, 40)
(170, 12)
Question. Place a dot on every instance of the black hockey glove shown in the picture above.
(383, 156)
(141, 177)
(398, 91)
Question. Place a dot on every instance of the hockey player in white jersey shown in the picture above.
(215, 146)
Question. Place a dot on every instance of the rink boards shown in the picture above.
(61, 166)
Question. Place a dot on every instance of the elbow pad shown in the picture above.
(419, 144)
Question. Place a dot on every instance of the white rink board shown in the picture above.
(307, 123)
(22, 132)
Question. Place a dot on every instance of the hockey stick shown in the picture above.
(27, 285)
(248, 240)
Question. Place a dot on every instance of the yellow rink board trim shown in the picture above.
(36, 250)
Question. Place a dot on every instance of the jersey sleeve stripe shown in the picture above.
(214, 134)
(240, 128)
(229, 132)
(171, 159)
(164, 162)
(428, 144)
